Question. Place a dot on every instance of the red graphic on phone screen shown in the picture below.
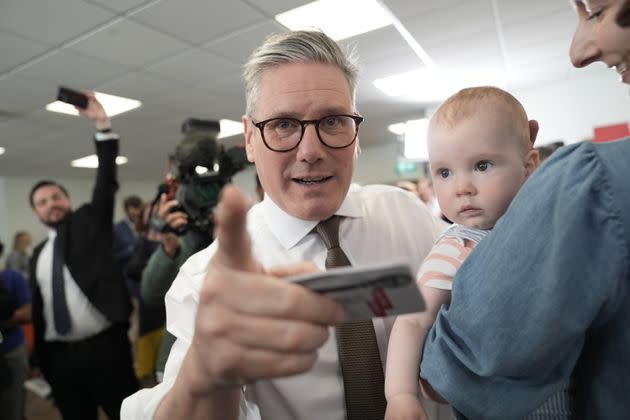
(379, 303)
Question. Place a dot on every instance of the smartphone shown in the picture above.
(368, 292)
(344, 278)
(72, 97)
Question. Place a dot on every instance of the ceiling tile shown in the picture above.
(190, 102)
(519, 10)
(230, 84)
(467, 50)
(53, 121)
(129, 44)
(549, 27)
(404, 9)
(452, 23)
(138, 85)
(274, 7)
(16, 50)
(74, 70)
(18, 94)
(19, 134)
(194, 67)
(536, 54)
(239, 45)
(201, 20)
(51, 22)
(382, 44)
(117, 5)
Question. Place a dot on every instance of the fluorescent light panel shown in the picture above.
(436, 86)
(416, 139)
(113, 105)
(398, 128)
(91, 161)
(414, 133)
(230, 128)
(339, 19)
(2, 150)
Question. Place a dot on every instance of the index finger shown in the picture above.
(234, 248)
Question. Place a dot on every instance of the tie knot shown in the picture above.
(328, 230)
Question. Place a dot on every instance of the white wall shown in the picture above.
(569, 109)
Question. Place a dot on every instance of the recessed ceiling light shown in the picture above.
(113, 105)
(339, 19)
(2, 150)
(435, 86)
(398, 128)
(230, 128)
(91, 161)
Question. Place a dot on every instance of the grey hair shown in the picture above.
(296, 47)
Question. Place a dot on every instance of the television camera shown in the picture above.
(199, 169)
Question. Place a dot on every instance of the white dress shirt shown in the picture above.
(381, 224)
(85, 319)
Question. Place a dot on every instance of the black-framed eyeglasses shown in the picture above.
(284, 134)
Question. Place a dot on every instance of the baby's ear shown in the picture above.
(533, 131)
(532, 161)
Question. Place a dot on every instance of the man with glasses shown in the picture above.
(250, 344)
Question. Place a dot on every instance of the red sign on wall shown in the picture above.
(611, 132)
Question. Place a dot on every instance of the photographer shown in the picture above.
(164, 264)
(201, 168)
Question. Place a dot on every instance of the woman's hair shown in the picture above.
(296, 47)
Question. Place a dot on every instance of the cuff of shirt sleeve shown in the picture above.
(106, 135)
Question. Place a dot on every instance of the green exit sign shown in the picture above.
(407, 167)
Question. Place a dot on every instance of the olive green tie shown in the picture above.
(359, 356)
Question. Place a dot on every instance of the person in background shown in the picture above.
(81, 305)
(545, 297)
(237, 321)
(18, 259)
(407, 186)
(546, 150)
(124, 243)
(151, 318)
(13, 349)
(424, 189)
(164, 263)
(126, 235)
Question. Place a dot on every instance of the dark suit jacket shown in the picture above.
(7, 302)
(86, 243)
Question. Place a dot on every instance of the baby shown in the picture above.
(480, 152)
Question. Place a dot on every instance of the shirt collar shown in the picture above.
(290, 230)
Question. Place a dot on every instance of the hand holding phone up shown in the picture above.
(87, 105)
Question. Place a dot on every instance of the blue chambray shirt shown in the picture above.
(545, 295)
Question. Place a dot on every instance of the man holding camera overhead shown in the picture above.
(81, 305)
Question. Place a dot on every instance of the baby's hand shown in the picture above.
(405, 407)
